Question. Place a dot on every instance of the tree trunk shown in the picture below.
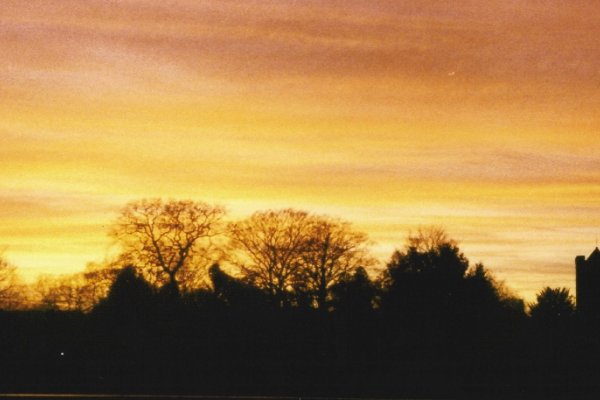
(172, 287)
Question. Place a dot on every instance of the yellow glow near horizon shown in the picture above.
(478, 117)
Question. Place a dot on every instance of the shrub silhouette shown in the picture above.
(129, 298)
(553, 306)
(234, 292)
(354, 295)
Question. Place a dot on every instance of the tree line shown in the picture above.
(286, 302)
(292, 256)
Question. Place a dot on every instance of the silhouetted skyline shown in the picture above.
(430, 325)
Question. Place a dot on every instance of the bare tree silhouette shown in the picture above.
(332, 253)
(271, 245)
(289, 252)
(172, 241)
(11, 288)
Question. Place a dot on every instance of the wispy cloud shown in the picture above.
(478, 116)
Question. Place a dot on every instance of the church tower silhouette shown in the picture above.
(587, 276)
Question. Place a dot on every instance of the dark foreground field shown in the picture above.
(292, 355)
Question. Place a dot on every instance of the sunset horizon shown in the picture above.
(479, 118)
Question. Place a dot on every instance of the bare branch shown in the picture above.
(169, 239)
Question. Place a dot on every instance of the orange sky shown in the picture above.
(478, 116)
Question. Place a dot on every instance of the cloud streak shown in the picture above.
(479, 117)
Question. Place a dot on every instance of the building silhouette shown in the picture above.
(587, 279)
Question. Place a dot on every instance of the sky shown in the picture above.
(480, 117)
